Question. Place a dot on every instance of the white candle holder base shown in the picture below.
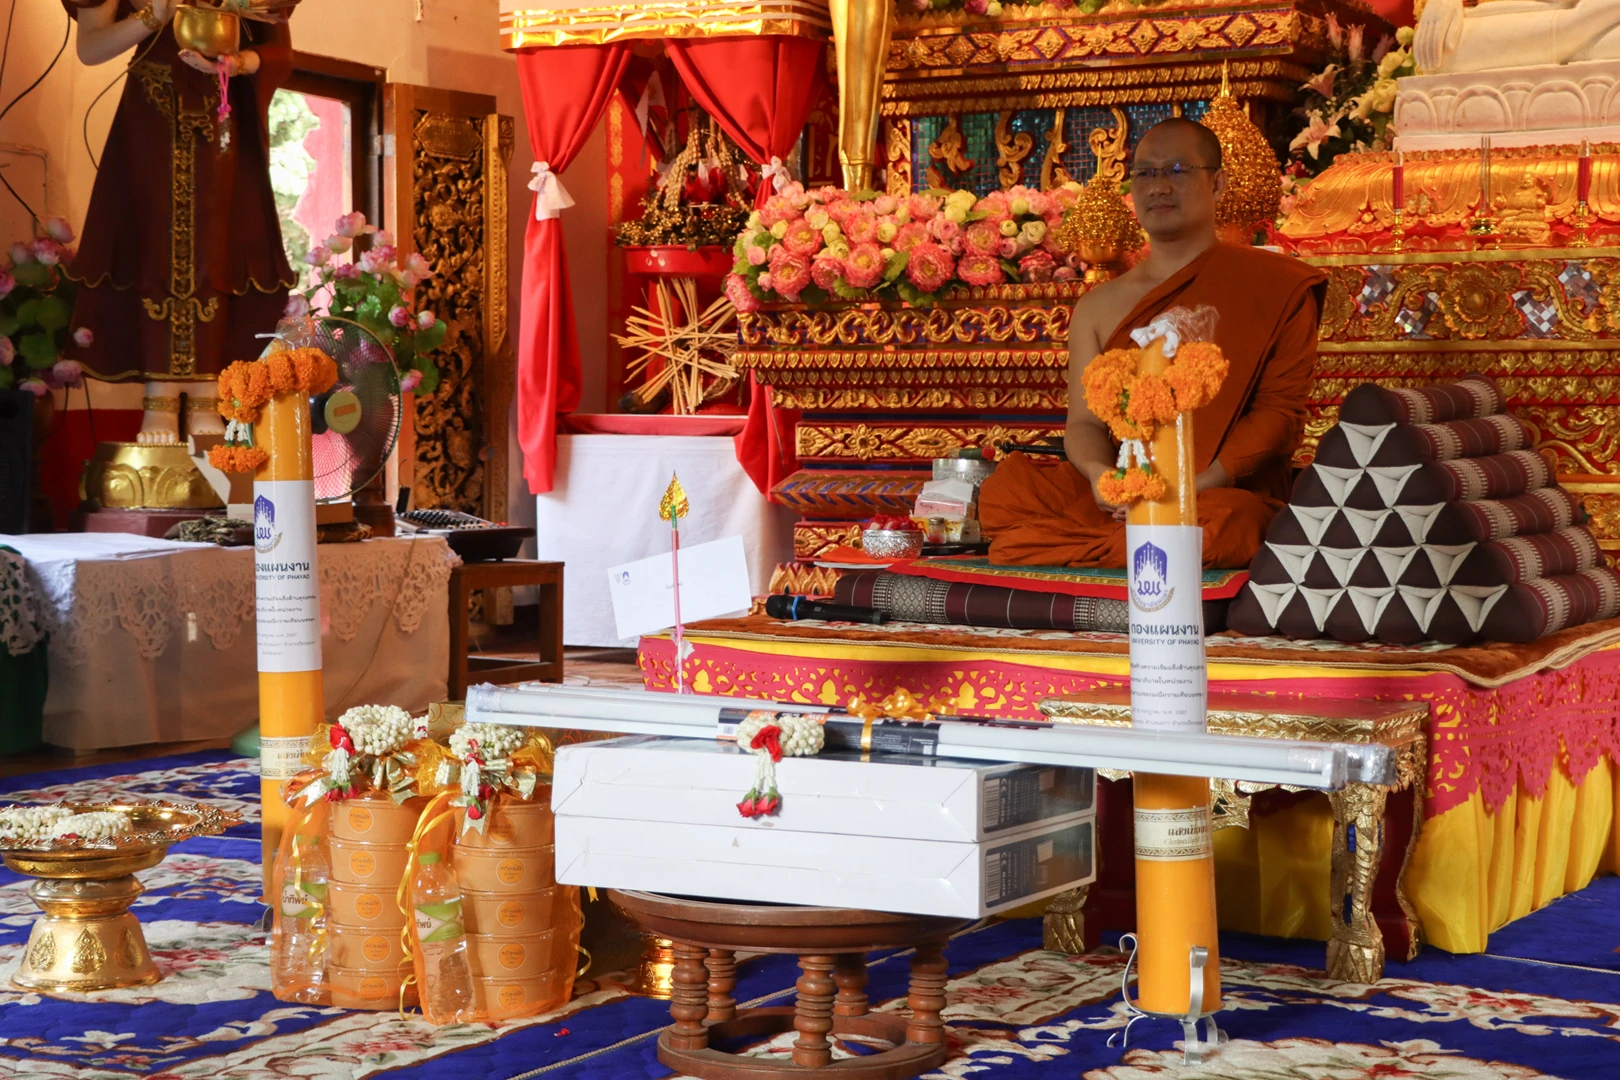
(1193, 1049)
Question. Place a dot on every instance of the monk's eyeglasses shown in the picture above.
(1175, 172)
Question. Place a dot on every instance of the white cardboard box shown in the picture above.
(696, 782)
(741, 862)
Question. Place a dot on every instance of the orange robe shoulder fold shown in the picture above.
(1269, 305)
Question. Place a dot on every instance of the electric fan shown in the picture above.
(354, 424)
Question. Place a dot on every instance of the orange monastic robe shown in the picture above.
(1269, 305)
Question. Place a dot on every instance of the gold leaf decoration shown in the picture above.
(674, 504)
(88, 955)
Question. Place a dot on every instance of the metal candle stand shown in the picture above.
(1192, 1050)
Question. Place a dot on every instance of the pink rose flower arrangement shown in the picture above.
(815, 246)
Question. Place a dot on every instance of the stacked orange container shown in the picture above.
(369, 844)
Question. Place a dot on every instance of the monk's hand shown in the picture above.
(1215, 476)
(1115, 512)
(245, 62)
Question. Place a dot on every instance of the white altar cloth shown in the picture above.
(153, 640)
(604, 512)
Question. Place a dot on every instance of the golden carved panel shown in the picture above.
(810, 540)
(448, 196)
(908, 442)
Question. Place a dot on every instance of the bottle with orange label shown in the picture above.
(448, 995)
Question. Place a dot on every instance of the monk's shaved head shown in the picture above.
(1179, 128)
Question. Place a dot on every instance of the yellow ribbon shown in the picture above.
(402, 894)
(900, 705)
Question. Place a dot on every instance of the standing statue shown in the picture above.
(181, 266)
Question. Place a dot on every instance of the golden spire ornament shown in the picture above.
(1100, 229)
(672, 507)
(1253, 176)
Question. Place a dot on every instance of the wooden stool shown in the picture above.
(831, 944)
(467, 579)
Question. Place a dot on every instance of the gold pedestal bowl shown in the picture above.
(87, 939)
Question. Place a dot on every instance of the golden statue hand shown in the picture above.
(245, 62)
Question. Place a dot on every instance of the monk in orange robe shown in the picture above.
(1269, 305)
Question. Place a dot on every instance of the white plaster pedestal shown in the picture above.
(1531, 106)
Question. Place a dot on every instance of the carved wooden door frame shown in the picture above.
(445, 196)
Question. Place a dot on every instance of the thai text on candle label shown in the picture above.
(1179, 835)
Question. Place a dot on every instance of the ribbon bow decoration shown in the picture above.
(479, 779)
(900, 705)
(550, 197)
(776, 173)
(1161, 327)
(391, 774)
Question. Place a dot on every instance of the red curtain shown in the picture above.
(759, 90)
(565, 91)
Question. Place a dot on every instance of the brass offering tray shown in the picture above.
(87, 939)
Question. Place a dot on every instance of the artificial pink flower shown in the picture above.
(83, 337)
(410, 381)
(346, 272)
(930, 266)
(36, 387)
(1335, 31)
(384, 238)
(756, 255)
(801, 238)
(1062, 5)
(8, 352)
(399, 316)
(338, 245)
(1322, 81)
(765, 281)
(860, 228)
(995, 206)
(416, 264)
(922, 207)
(297, 307)
(405, 278)
(426, 320)
(318, 255)
(982, 238)
(1381, 49)
(7, 283)
(777, 208)
(1008, 247)
(790, 272)
(58, 229)
(885, 204)
(1065, 273)
(1040, 204)
(737, 292)
(67, 373)
(21, 254)
(1355, 41)
(863, 268)
(910, 235)
(976, 7)
(47, 251)
(353, 225)
(976, 269)
(944, 231)
(827, 272)
(1037, 266)
(921, 5)
(379, 260)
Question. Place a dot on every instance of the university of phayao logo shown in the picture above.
(265, 535)
(1150, 578)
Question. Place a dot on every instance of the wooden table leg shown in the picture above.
(551, 625)
(812, 1016)
(927, 996)
(689, 998)
(722, 965)
(1355, 952)
(850, 975)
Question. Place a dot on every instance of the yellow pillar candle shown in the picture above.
(1175, 864)
(287, 586)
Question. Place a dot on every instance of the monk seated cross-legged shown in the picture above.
(1268, 305)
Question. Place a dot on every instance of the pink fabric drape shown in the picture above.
(565, 91)
(759, 90)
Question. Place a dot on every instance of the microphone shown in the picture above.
(802, 607)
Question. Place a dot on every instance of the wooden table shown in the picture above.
(1355, 952)
(469, 578)
(831, 944)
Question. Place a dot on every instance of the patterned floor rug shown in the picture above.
(1545, 1002)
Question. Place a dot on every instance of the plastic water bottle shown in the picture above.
(448, 984)
(300, 960)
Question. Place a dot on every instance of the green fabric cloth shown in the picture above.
(24, 677)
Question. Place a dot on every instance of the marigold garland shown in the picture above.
(247, 386)
(1133, 406)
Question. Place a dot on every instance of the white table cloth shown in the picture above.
(604, 511)
(153, 640)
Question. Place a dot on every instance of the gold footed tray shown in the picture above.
(87, 939)
(130, 476)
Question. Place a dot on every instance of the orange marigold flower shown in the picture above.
(1197, 374)
(1151, 401)
(1134, 486)
(236, 459)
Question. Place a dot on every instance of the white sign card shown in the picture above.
(714, 582)
(286, 578)
(1169, 674)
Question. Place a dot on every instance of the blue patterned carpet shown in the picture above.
(1545, 1002)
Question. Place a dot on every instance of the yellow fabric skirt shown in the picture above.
(1471, 872)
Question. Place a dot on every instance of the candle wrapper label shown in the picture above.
(281, 757)
(286, 582)
(1179, 835)
(1169, 675)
